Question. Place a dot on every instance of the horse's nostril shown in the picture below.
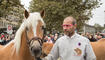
(36, 51)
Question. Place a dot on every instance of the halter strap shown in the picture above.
(32, 39)
(35, 38)
(29, 42)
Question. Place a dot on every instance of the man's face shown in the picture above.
(68, 27)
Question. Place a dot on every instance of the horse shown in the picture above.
(30, 29)
(46, 48)
(99, 49)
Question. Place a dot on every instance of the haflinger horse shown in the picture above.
(99, 49)
(30, 30)
(46, 48)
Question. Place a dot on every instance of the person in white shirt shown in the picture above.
(71, 46)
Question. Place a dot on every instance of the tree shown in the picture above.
(57, 10)
(98, 27)
(11, 10)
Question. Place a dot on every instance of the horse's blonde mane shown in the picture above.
(32, 20)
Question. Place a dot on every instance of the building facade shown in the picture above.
(89, 28)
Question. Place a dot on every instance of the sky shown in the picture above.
(25, 3)
(98, 13)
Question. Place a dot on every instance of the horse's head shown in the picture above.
(35, 24)
(34, 31)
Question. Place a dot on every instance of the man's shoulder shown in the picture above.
(61, 38)
(82, 37)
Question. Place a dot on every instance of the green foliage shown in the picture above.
(57, 10)
(98, 27)
(11, 8)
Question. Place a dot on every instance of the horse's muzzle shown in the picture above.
(36, 52)
(35, 45)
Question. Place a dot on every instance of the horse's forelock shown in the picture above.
(35, 17)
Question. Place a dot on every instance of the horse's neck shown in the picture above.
(24, 49)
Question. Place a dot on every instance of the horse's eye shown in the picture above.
(42, 28)
(27, 28)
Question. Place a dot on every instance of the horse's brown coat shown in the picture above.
(99, 49)
(46, 48)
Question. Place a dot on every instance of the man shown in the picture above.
(71, 46)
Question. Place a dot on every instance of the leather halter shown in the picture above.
(30, 42)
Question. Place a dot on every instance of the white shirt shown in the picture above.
(75, 48)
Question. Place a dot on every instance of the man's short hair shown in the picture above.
(74, 20)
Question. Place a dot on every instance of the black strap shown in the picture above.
(38, 58)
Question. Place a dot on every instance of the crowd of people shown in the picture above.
(5, 38)
(94, 37)
(51, 38)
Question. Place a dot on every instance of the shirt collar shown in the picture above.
(71, 36)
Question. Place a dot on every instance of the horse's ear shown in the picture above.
(26, 13)
(42, 13)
